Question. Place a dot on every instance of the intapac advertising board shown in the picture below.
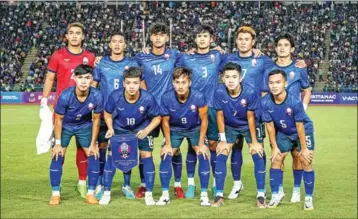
(11, 97)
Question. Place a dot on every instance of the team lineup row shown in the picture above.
(181, 94)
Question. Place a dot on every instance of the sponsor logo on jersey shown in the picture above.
(85, 60)
(243, 103)
(141, 109)
(193, 108)
(289, 111)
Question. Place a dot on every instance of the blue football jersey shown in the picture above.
(286, 114)
(158, 71)
(109, 74)
(252, 68)
(131, 116)
(183, 116)
(78, 115)
(235, 109)
(205, 72)
(297, 78)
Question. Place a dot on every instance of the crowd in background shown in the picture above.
(43, 25)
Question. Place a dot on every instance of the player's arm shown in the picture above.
(94, 84)
(166, 130)
(306, 93)
(109, 122)
(154, 123)
(96, 121)
(50, 79)
(272, 137)
(203, 114)
(143, 85)
(57, 149)
(307, 154)
(222, 146)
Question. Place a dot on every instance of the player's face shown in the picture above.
(203, 40)
(244, 42)
(131, 85)
(232, 79)
(75, 36)
(182, 85)
(117, 44)
(159, 39)
(283, 48)
(277, 84)
(83, 82)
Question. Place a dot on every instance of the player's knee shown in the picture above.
(145, 154)
(296, 163)
(103, 145)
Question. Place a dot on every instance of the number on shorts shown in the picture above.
(308, 141)
(150, 141)
(258, 132)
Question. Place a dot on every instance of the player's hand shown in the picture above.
(222, 146)
(56, 151)
(109, 133)
(257, 52)
(203, 149)
(300, 63)
(257, 147)
(166, 149)
(307, 154)
(274, 153)
(142, 133)
(93, 150)
(221, 50)
(97, 60)
(146, 50)
(191, 51)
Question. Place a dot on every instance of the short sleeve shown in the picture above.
(304, 79)
(110, 105)
(253, 103)
(53, 63)
(153, 108)
(266, 116)
(164, 107)
(201, 100)
(300, 114)
(99, 105)
(97, 73)
(217, 101)
(61, 104)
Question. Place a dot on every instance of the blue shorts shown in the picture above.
(83, 136)
(145, 144)
(287, 143)
(102, 133)
(213, 133)
(177, 137)
(233, 134)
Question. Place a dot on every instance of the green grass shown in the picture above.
(25, 188)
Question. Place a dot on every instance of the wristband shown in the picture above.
(222, 136)
(43, 101)
(305, 107)
(58, 142)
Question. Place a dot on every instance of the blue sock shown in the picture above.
(149, 173)
(280, 183)
(213, 161)
(177, 166)
(127, 178)
(274, 180)
(141, 170)
(56, 173)
(108, 174)
(260, 172)
(264, 157)
(236, 163)
(191, 159)
(165, 172)
(308, 177)
(204, 173)
(297, 178)
(102, 162)
(220, 172)
(92, 172)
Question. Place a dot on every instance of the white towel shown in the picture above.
(45, 135)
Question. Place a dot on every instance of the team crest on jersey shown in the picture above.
(212, 58)
(85, 60)
(141, 109)
(193, 108)
(126, 67)
(90, 106)
(289, 111)
(254, 63)
(166, 56)
(124, 150)
(292, 75)
(243, 103)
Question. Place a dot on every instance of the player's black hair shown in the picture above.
(158, 28)
(117, 32)
(203, 29)
(180, 71)
(278, 72)
(83, 69)
(132, 72)
(232, 66)
(286, 36)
